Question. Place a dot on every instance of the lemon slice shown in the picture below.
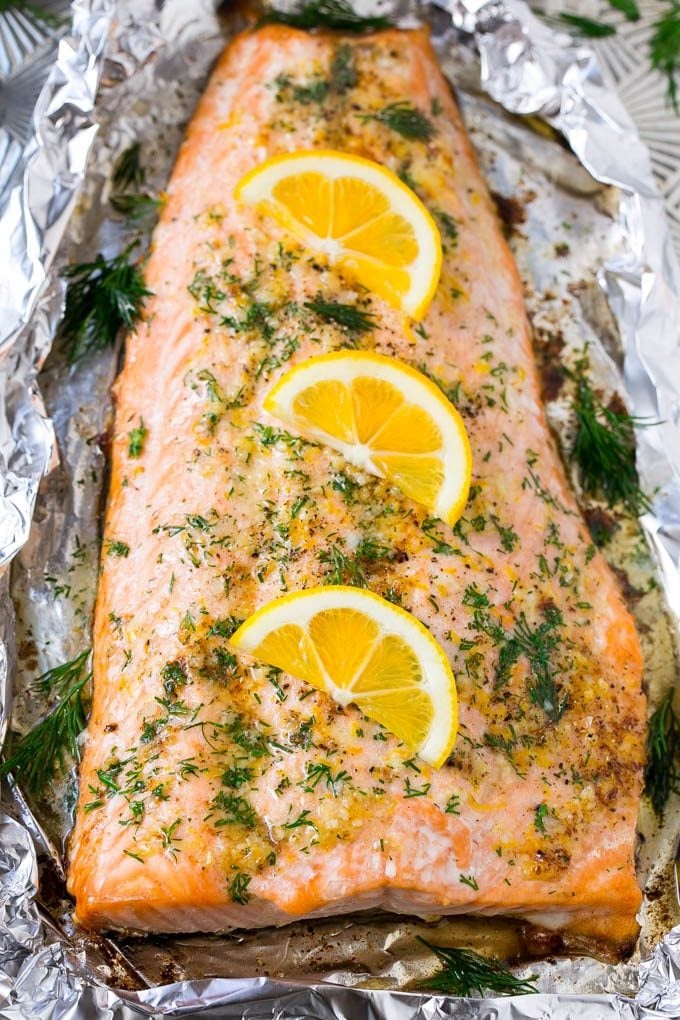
(359, 648)
(384, 417)
(356, 213)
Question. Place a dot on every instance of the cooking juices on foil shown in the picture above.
(566, 231)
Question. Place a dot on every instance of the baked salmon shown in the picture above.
(218, 793)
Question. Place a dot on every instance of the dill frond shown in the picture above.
(662, 769)
(102, 297)
(42, 753)
(128, 171)
(664, 49)
(467, 973)
(336, 14)
(604, 447)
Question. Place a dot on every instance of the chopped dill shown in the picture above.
(452, 393)
(452, 805)
(346, 486)
(320, 771)
(405, 119)
(136, 438)
(404, 174)
(39, 755)
(336, 14)
(314, 91)
(467, 973)
(447, 224)
(439, 545)
(173, 675)
(370, 551)
(662, 769)
(236, 776)
(270, 436)
(540, 815)
(344, 568)
(341, 568)
(415, 791)
(351, 318)
(537, 644)
(604, 447)
(224, 628)
(102, 297)
(238, 890)
(114, 547)
(169, 839)
(507, 534)
(302, 820)
(235, 810)
(343, 70)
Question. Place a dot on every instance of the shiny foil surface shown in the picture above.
(588, 232)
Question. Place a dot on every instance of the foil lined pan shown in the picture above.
(604, 211)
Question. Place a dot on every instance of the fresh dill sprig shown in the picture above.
(662, 768)
(586, 26)
(135, 207)
(664, 49)
(128, 171)
(128, 178)
(628, 8)
(38, 756)
(351, 318)
(664, 45)
(405, 119)
(324, 14)
(102, 297)
(59, 679)
(604, 447)
(466, 973)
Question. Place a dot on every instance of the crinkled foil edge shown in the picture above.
(530, 70)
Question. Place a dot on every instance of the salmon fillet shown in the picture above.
(215, 792)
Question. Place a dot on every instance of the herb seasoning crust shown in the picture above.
(215, 792)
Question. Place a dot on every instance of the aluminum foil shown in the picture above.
(617, 246)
